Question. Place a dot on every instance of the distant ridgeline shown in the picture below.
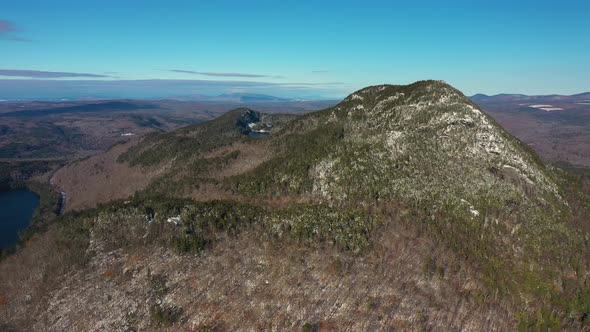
(423, 152)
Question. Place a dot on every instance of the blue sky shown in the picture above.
(299, 48)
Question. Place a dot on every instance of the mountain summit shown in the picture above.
(421, 141)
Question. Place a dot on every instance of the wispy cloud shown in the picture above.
(45, 74)
(8, 30)
(320, 71)
(218, 74)
(313, 84)
(6, 26)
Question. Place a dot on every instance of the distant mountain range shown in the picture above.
(225, 97)
(191, 90)
(507, 97)
(245, 97)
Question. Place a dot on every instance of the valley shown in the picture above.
(38, 138)
(77, 129)
(556, 127)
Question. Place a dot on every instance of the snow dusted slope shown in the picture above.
(424, 140)
(425, 145)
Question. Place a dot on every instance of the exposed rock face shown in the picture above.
(246, 119)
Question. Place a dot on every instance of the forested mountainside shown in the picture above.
(401, 207)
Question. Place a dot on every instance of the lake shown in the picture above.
(16, 210)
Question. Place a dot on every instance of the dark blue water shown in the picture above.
(16, 210)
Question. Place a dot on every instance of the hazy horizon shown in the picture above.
(22, 89)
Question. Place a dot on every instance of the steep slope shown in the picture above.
(472, 184)
(393, 179)
(424, 140)
(99, 179)
(195, 156)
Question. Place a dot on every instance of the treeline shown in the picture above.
(15, 174)
(189, 226)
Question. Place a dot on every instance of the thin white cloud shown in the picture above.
(223, 74)
(44, 74)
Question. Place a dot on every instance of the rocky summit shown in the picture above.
(403, 207)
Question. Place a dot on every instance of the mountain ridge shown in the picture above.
(504, 97)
